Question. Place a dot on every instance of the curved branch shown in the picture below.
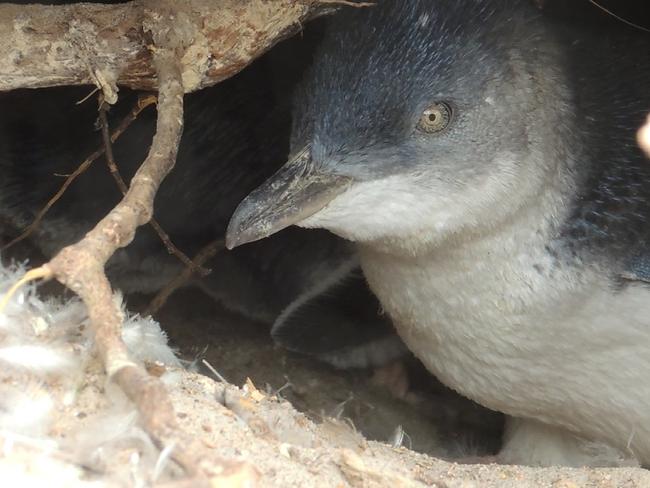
(109, 45)
(81, 268)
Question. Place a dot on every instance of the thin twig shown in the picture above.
(618, 17)
(172, 249)
(204, 255)
(117, 176)
(214, 371)
(81, 268)
(31, 275)
(143, 102)
(108, 147)
(84, 99)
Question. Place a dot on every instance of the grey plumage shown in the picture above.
(507, 242)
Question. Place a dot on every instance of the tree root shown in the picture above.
(81, 268)
(119, 181)
(203, 256)
(143, 102)
(108, 45)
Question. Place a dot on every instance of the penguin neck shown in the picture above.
(532, 223)
(517, 269)
(533, 230)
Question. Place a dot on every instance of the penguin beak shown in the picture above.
(297, 191)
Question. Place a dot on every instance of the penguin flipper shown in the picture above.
(339, 321)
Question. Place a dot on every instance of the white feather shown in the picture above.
(26, 410)
(37, 358)
(49, 368)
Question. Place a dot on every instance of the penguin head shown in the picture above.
(413, 122)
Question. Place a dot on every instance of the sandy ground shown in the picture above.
(433, 419)
(289, 450)
(321, 437)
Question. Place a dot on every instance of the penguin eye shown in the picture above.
(435, 118)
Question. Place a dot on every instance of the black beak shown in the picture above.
(295, 192)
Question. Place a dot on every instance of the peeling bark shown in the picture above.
(111, 45)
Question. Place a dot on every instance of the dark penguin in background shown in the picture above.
(483, 160)
(236, 135)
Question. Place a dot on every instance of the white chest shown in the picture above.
(518, 334)
(462, 314)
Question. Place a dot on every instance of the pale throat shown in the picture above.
(512, 269)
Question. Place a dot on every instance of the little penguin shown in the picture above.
(482, 158)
